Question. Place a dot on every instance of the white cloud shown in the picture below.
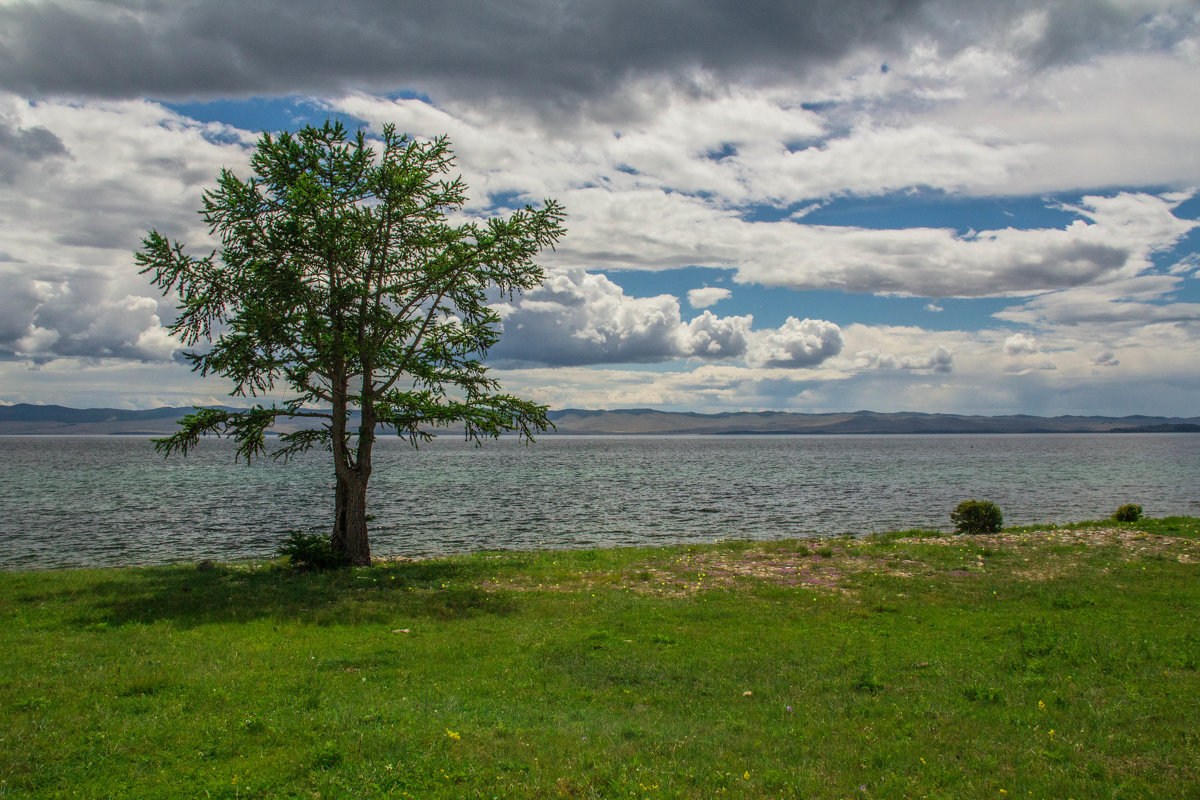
(939, 359)
(1123, 119)
(669, 189)
(709, 295)
(885, 348)
(1189, 264)
(708, 387)
(873, 160)
(108, 383)
(74, 315)
(1120, 305)
(797, 343)
(1115, 238)
(666, 161)
(580, 318)
(103, 175)
(1018, 344)
(711, 337)
(1066, 100)
(990, 117)
(903, 375)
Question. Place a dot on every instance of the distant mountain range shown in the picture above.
(25, 419)
(649, 421)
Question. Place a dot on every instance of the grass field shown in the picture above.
(1053, 663)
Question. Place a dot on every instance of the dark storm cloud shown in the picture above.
(1075, 31)
(545, 49)
(121, 49)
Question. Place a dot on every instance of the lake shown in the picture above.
(107, 501)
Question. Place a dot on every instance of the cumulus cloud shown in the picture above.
(1018, 344)
(711, 144)
(72, 317)
(580, 318)
(711, 337)
(976, 383)
(797, 343)
(703, 298)
(88, 181)
(939, 359)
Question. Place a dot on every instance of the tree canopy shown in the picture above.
(342, 284)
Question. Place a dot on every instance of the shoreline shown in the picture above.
(1144, 534)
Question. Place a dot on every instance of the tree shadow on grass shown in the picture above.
(187, 596)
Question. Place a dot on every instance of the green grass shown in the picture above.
(1036, 662)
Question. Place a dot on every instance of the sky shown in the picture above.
(894, 205)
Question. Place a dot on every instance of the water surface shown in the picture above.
(90, 501)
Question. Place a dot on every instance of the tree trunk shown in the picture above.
(340, 498)
(350, 522)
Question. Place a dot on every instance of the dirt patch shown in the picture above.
(767, 564)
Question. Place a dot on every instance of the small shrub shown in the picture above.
(311, 551)
(977, 516)
(1128, 513)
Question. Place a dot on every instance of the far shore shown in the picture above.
(28, 420)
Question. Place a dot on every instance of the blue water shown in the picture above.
(98, 501)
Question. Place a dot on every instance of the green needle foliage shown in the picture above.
(340, 280)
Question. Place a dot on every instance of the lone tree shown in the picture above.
(340, 278)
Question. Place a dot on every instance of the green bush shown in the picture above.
(1128, 513)
(311, 551)
(977, 516)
